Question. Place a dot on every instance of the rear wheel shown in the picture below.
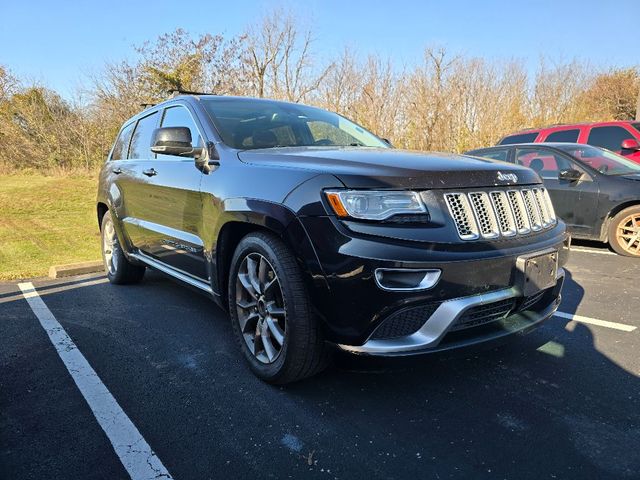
(624, 232)
(118, 269)
(271, 313)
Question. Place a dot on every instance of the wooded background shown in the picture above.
(448, 102)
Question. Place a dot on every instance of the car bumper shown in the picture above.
(436, 333)
(354, 308)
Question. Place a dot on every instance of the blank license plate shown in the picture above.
(539, 272)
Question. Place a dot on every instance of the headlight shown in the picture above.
(374, 205)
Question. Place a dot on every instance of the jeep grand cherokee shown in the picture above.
(316, 234)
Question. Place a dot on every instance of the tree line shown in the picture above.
(446, 102)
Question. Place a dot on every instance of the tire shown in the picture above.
(286, 344)
(118, 269)
(624, 232)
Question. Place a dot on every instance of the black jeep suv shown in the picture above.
(315, 233)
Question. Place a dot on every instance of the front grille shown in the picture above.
(483, 314)
(404, 322)
(500, 213)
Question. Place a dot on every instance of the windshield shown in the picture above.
(604, 161)
(247, 123)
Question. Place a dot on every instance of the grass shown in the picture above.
(46, 221)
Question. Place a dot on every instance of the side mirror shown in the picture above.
(174, 141)
(630, 144)
(570, 175)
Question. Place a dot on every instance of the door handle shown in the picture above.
(117, 171)
(150, 172)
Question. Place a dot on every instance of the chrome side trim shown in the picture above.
(436, 326)
(164, 268)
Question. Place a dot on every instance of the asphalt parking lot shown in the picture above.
(561, 402)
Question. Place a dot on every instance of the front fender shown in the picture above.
(240, 216)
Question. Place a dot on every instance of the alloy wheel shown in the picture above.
(628, 234)
(260, 308)
(110, 247)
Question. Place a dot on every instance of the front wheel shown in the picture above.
(624, 232)
(118, 269)
(271, 313)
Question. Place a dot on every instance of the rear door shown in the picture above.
(575, 202)
(136, 189)
(569, 135)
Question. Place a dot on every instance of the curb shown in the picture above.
(58, 271)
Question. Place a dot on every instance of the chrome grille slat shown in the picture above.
(463, 217)
(485, 216)
(532, 210)
(506, 218)
(550, 209)
(542, 207)
(500, 213)
(520, 212)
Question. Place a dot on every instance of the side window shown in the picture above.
(566, 136)
(122, 143)
(179, 116)
(519, 138)
(545, 162)
(608, 137)
(141, 139)
(495, 155)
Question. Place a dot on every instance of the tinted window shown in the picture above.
(604, 161)
(181, 117)
(608, 137)
(141, 139)
(251, 123)
(545, 162)
(492, 154)
(636, 126)
(521, 138)
(122, 143)
(567, 136)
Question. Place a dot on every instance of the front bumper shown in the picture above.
(430, 336)
(352, 306)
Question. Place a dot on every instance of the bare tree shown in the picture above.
(278, 59)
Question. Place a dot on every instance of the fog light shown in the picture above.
(406, 279)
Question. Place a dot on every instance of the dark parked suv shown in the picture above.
(316, 234)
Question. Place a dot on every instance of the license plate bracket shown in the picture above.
(537, 271)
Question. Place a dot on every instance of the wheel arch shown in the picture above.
(101, 210)
(262, 217)
(604, 230)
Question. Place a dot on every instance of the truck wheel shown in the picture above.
(624, 232)
(271, 313)
(118, 269)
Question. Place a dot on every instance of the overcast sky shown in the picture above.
(59, 43)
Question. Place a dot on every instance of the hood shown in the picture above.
(363, 167)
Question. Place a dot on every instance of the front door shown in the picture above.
(576, 203)
(169, 206)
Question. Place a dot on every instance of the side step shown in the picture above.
(183, 277)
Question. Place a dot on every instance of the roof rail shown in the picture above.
(147, 105)
(174, 92)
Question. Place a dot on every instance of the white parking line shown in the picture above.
(595, 321)
(63, 288)
(588, 250)
(132, 449)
